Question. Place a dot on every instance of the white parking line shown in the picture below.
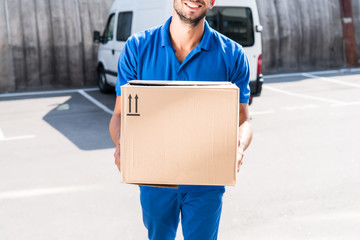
(261, 113)
(3, 138)
(292, 108)
(326, 79)
(44, 191)
(346, 104)
(346, 70)
(24, 94)
(303, 95)
(96, 102)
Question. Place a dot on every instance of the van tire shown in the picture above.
(102, 82)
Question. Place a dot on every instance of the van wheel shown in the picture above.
(102, 82)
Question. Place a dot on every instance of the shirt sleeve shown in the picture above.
(127, 64)
(241, 76)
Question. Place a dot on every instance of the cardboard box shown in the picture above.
(176, 133)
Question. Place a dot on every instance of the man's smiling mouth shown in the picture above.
(192, 5)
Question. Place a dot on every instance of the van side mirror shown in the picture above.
(97, 38)
(259, 28)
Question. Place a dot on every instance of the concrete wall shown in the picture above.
(301, 35)
(51, 42)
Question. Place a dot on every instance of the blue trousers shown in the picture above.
(200, 212)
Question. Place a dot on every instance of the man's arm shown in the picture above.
(114, 128)
(245, 132)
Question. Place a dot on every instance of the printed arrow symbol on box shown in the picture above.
(130, 103)
(136, 103)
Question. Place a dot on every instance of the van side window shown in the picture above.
(109, 30)
(124, 26)
(234, 22)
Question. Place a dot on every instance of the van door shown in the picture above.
(123, 32)
(107, 50)
(237, 23)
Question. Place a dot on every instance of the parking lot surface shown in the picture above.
(300, 177)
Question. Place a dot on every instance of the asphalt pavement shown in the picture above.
(300, 178)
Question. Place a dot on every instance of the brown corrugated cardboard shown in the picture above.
(176, 133)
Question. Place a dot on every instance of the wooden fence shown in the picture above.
(48, 43)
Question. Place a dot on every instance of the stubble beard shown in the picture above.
(193, 22)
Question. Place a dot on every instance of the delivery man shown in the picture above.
(184, 48)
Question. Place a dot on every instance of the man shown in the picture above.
(184, 48)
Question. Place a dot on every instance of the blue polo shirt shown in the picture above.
(149, 55)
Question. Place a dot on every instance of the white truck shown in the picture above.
(236, 19)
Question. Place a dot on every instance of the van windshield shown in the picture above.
(234, 22)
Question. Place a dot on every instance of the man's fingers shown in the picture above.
(117, 163)
(240, 159)
(240, 162)
(117, 157)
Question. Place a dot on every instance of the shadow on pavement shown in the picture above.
(83, 123)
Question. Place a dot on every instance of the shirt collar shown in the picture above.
(165, 34)
(205, 41)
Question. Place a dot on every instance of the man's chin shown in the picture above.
(191, 20)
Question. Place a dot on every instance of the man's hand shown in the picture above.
(245, 133)
(114, 128)
(240, 156)
(117, 157)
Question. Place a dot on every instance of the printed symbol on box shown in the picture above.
(136, 106)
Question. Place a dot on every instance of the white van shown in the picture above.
(236, 19)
